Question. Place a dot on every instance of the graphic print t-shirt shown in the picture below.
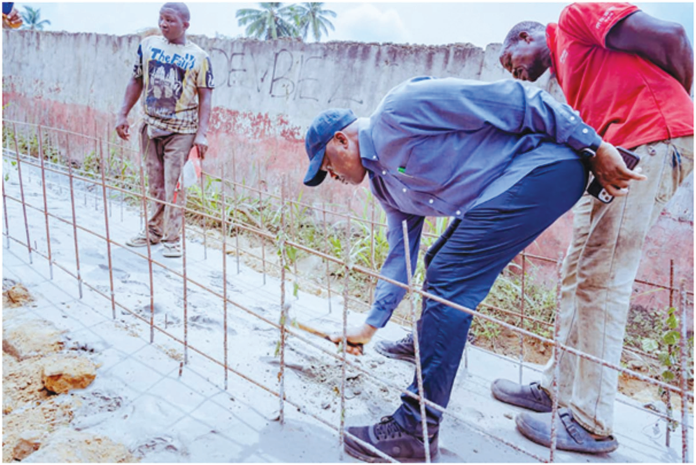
(171, 75)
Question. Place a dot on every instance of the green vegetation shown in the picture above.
(31, 18)
(649, 331)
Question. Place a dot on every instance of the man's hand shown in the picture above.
(360, 335)
(122, 127)
(202, 143)
(611, 171)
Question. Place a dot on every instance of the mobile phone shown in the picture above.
(596, 189)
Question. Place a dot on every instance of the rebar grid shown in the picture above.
(122, 188)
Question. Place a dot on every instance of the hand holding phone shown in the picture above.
(595, 189)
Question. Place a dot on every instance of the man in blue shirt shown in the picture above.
(504, 160)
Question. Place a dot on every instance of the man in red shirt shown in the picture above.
(629, 75)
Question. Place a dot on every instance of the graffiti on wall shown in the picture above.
(285, 74)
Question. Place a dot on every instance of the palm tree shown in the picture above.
(32, 19)
(313, 17)
(272, 21)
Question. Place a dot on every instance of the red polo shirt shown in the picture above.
(627, 99)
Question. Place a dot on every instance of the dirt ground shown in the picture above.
(35, 419)
(508, 343)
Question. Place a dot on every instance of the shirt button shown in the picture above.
(430, 201)
(374, 157)
(384, 173)
(585, 131)
(404, 189)
(572, 118)
(459, 212)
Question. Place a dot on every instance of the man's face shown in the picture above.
(171, 24)
(524, 59)
(342, 161)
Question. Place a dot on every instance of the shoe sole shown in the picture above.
(513, 400)
(164, 254)
(365, 458)
(404, 358)
(530, 434)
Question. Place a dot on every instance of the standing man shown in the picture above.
(178, 81)
(629, 75)
(503, 159)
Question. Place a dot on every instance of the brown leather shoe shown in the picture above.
(570, 435)
(530, 396)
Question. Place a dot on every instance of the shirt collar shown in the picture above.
(367, 146)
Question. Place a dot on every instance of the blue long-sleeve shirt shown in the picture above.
(439, 147)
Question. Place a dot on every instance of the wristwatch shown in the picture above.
(589, 152)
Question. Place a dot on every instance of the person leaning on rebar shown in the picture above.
(503, 159)
(629, 75)
(177, 79)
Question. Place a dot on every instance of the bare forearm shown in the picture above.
(664, 43)
(133, 91)
(204, 104)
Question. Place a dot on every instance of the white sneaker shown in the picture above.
(171, 250)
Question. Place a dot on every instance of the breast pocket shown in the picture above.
(429, 165)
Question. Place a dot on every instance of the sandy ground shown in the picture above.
(166, 411)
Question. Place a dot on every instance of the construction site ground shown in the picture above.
(165, 410)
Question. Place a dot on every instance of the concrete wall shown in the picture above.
(266, 95)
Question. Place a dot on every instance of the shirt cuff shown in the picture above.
(583, 137)
(378, 317)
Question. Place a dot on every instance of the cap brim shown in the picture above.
(315, 175)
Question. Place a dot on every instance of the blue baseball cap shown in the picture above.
(318, 135)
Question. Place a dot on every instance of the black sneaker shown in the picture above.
(388, 437)
(530, 396)
(400, 350)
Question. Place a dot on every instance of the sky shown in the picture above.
(479, 23)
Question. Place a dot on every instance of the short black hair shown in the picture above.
(180, 8)
(525, 26)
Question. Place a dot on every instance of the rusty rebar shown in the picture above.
(21, 192)
(373, 282)
(283, 305)
(522, 293)
(234, 211)
(45, 203)
(683, 355)
(416, 343)
(148, 240)
(223, 230)
(108, 237)
(123, 176)
(556, 360)
(293, 236)
(263, 245)
(74, 217)
(328, 249)
(183, 259)
(668, 397)
(7, 224)
(204, 221)
(344, 332)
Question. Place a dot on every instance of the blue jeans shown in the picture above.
(466, 266)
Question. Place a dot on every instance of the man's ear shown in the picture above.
(186, 25)
(341, 139)
(524, 35)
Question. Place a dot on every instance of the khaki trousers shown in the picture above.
(597, 279)
(164, 158)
